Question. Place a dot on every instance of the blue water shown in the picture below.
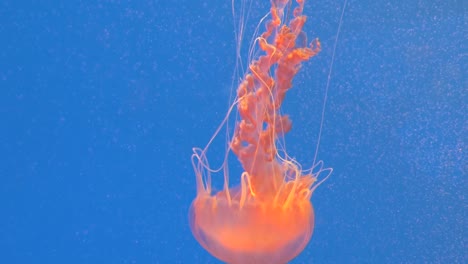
(101, 103)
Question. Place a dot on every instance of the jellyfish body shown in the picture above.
(252, 227)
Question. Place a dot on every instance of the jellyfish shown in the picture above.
(268, 217)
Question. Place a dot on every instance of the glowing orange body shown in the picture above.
(268, 218)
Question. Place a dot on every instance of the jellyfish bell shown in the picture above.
(268, 221)
(256, 233)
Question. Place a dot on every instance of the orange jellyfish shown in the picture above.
(268, 217)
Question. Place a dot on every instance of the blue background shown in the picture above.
(102, 101)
